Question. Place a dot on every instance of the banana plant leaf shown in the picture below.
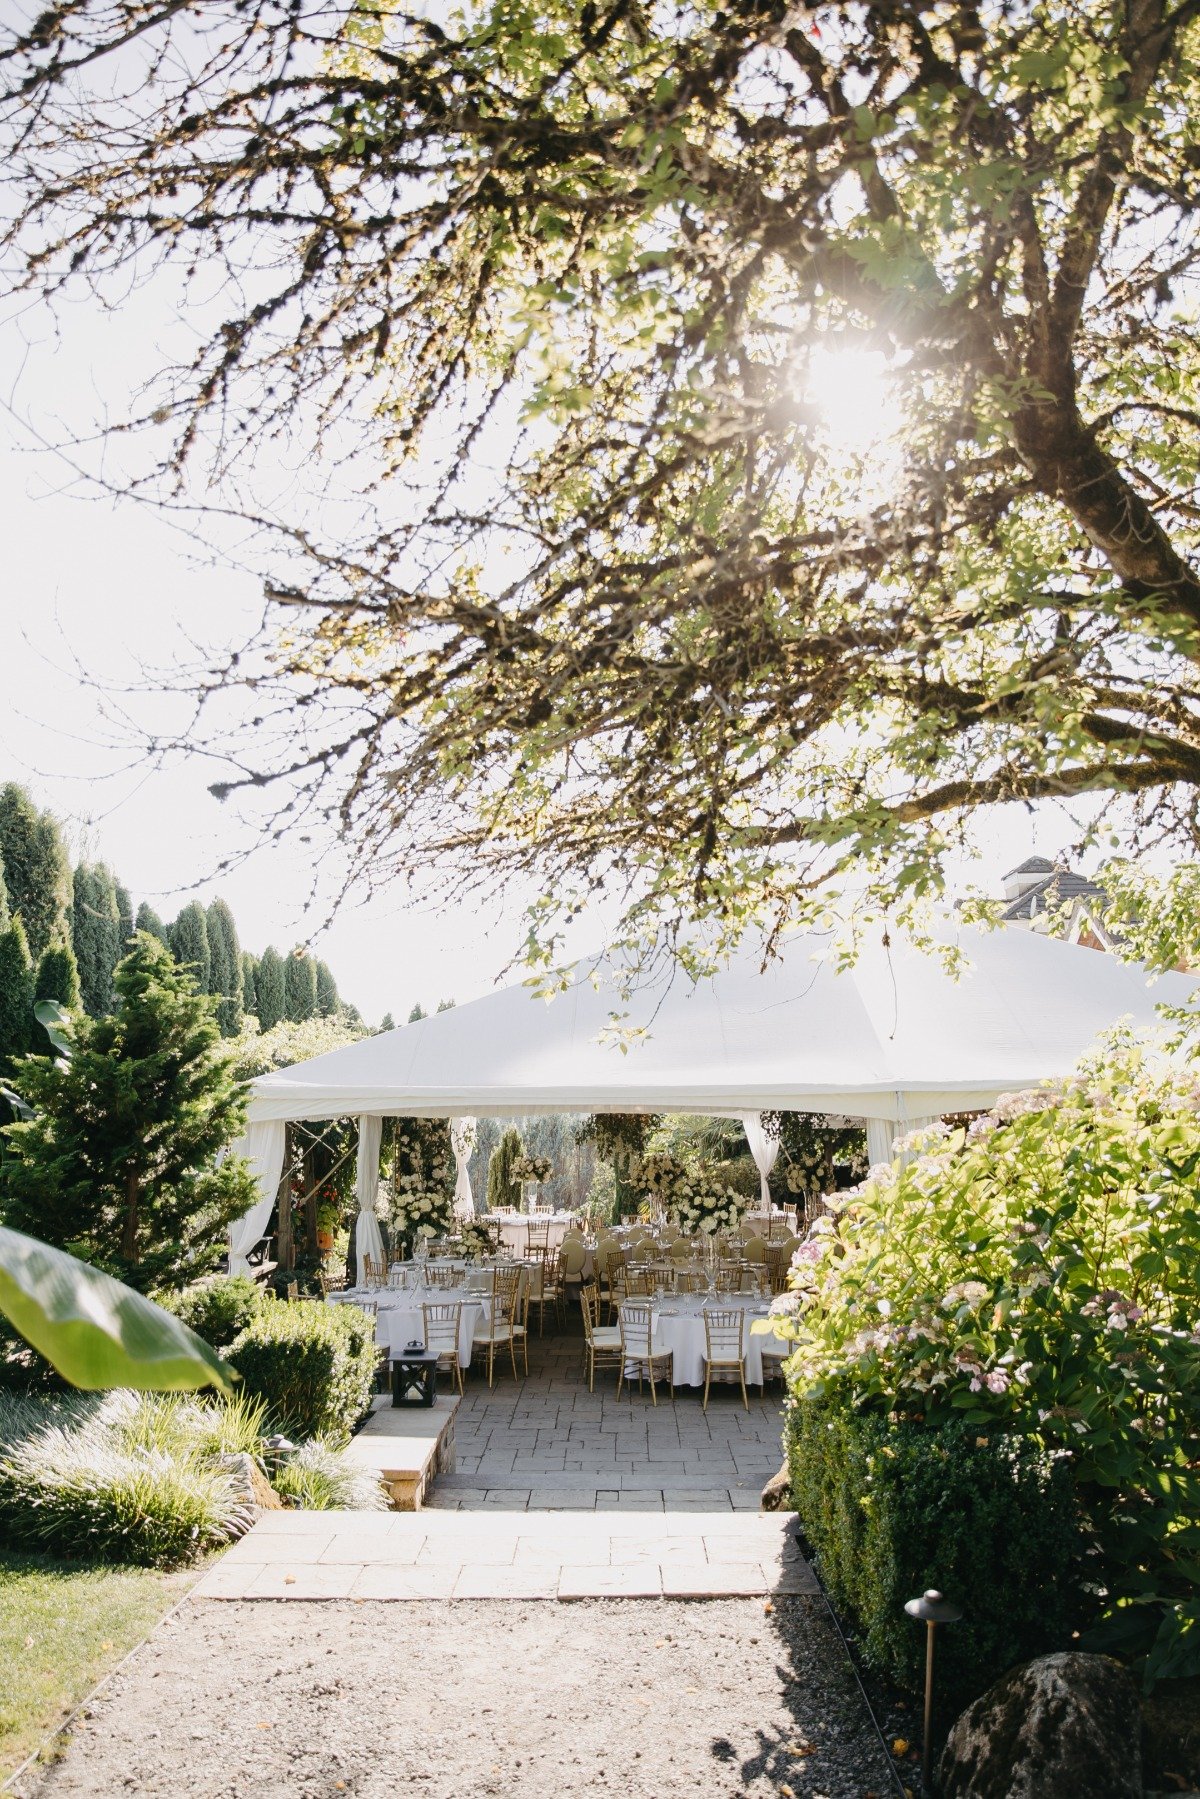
(95, 1330)
(56, 1021)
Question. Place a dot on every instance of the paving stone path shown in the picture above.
(546, 1443)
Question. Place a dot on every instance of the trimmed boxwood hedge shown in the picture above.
(217, 1309)
(314, 1364)
(892, 1508)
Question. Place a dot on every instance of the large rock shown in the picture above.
(1061, 1726)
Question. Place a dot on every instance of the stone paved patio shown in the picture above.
(547, 1444)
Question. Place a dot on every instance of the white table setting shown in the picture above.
(678, 1328)
(398, 1317)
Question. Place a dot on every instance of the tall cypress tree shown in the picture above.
(327, 993)
(225, 967)
(36, 867)
(299, 987)
(417, 1014)
(249, 983)
(16, 994)
(148, 920)
(96, 935)
(272, 998)
(121, 1153)
(502, 1190)
(189, 944)
(124, 915)
(57, 979)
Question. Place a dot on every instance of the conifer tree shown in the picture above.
(269, 982)
(16, 994)
(387, 1022)
(148, 920)
(119, 1158)
(36, 869)
(189, 943)
(225, 967)
(96, 935)
(249, 984)
(300, 987)
(417, 1014)
(57, 979)
(502, 1190)
(326, 991)
(124, 914)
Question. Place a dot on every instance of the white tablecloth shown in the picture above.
(514, 1229)
(399, 1323)
(679, 1327)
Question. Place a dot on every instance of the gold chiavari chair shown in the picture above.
(689, 1280)
(374, 1272)
(502, 1324)
(755, 1279)
(724, 1349)
(601, 1343)
(442, 1321)
(636, 1325)
(442, 1278)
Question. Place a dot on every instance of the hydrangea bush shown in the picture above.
(1039, 1273)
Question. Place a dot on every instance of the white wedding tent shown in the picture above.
(893, 1039)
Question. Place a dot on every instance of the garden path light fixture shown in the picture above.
(931, 1609)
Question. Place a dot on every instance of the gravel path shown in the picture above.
(536, 1699)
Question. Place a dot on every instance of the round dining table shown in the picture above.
(398, 1317)
(678, 1327)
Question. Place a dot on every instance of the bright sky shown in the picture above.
(118, 588)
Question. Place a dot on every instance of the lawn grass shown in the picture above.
(62, 1626)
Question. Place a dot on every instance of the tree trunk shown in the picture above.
(311, 1250)
(129, 1249)
(285, 1249)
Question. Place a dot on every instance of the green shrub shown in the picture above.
(123, 1478)
(893, 1508)
(313, 1364)
(321, 1478)
(218, 1309)
(1038, 1276)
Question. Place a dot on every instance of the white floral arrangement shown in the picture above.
(478, 1238)
(661, 1176)
(421, 1211)
(530, 1168)
(699, 1205)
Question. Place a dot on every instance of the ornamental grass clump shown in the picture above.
(320, 1478)
(1039, 1274)
(123, 1478)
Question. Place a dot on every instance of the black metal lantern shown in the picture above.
(931, 1609)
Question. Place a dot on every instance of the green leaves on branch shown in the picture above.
(94, 1330)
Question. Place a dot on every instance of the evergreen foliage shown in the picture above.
(190, 945)
(225, 967)
(37, 872)
(387, 1022)
(57, 979)
(16, 994)
(124, 914)
(148, 920)
(502, 1190)
(417, 1014)
(96, 935)
(118, 1162)
(326, 991)
(249, 984)
(300, 987)
(269, 983)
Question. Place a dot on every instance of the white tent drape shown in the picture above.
(879, 1140)
(368, 1240)
(764, 1147)
(464, 1133)
(263, 1147)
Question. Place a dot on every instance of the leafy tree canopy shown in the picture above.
(838, 365)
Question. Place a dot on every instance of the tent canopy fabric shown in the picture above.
(893, 1037)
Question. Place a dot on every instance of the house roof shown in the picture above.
(1059, 888)
(1034, 865)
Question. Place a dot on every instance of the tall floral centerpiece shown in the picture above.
(659, 1177)
(701, 1206)
(531, 1171)
(420, 1211)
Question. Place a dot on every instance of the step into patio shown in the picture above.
(511, 1555)
(407, 1447)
